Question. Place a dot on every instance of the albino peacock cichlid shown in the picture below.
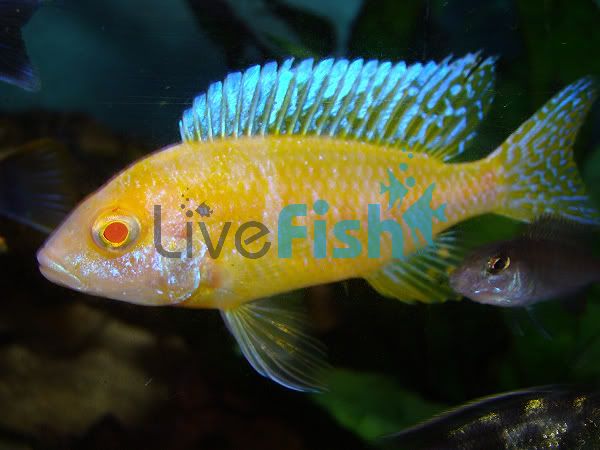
(306, 173)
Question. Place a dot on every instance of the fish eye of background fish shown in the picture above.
(551, 258)
(497, 264)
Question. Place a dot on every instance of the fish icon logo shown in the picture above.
(418, 216)
(204, 210)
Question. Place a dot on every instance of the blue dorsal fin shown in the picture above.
(432, 107)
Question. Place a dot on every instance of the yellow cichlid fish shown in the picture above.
(305, 173)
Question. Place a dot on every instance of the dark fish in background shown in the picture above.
(35, 186)
(538, 418)
(550, 260)
(15, 67)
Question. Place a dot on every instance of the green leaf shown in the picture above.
(373, 405)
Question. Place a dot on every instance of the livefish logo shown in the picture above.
(419, 218)
(203, 210)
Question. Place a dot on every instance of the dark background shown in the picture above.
(82, 372)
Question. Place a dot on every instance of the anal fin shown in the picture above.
(274, 336)
(421, 276)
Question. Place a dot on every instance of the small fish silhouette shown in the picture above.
(396, 189)
(419, 216)
(204, 210)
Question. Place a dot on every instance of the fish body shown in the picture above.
(543, 418)
(15, 67)
(550, 260)
(345, 175)
(285, 154)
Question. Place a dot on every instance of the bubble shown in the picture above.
(403, 167)
(321, 207)
(410, 155)
(410, 181)
(189, 213)
(182, 206)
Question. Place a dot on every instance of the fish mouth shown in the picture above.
(56, 273)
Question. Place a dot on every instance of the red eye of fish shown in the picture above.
(115, 233)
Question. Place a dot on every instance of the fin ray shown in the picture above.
(537, 162)
(558, 228)
(431, 107)
(276, 341)
(15, 66)
(34, 184)
(423, 275)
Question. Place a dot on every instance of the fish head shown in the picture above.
(494, 274)
(107, 247)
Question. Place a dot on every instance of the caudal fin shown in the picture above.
(15, 67)
(35, 187)
(536, 161)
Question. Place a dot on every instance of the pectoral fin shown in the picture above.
(274, 336)
(520, 321)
